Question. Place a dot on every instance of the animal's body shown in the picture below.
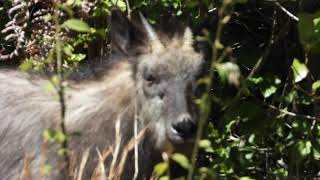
(155, 86)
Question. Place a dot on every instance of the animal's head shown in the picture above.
(165, 79)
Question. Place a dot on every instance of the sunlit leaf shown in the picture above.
(181, 160)
(48, 135)
(251, 138)
(281, 172)
(246, 178)
(316, 85)
(206, 145)
(316, 153)
(120, 4)
(300, 70)
(218, 45)
(60, 137)
(291, 96)
(304, 148)
(229, 72)
(27, 65)
(248, 156)
(256, 80)
(77, 25)
(68, 49)
(160, 168)
(164, 178)
(269, 91)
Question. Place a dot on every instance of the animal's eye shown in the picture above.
(151, 79)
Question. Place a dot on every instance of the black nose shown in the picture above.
(184, 126)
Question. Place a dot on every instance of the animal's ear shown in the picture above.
(120, 31)
(187, 40)
(127, 37)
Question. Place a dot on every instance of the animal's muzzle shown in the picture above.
(185, 127)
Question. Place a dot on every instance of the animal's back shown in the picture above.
(25, 110)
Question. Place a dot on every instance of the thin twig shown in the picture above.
(263, 58)
(61, 90)
(26, 171)
(113, 167)
(292, 16)
(83, 163)
(289, 113)
(136, 155)
(127, 149)
(102, 172)
(97, 171)
(128, 9)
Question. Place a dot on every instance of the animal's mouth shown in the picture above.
(179, 138)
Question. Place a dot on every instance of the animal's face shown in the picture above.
(165, 86)
(165, 81)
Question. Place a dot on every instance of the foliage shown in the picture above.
(261, 101)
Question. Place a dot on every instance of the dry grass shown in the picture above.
(119, 156)
(26, 171)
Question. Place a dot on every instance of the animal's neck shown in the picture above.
(112, 95)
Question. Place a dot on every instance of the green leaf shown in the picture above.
(62, 152)
(181, 160)
(316, 153)
(291, 96)
(161, 168)
(306, 27)
(120, 4)
(77, 57)
(68, 49)
(249, 156)
(47, 17)
(77, 25)
(60, 137)
(27, 65)
(309, 31)
(281, 172)
(246, 178)
(300, 70)
(316, 85)
(206, 145)
(48, 135)
(303, 148)
(229, 72)
(251, 138)
(164, 178)
(256, 80)
(269, 91)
